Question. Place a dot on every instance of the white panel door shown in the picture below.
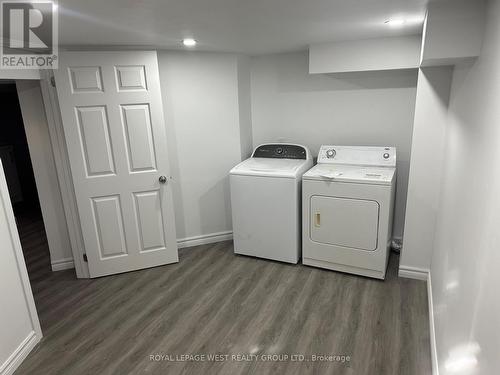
(113, 123)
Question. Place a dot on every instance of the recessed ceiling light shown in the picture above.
(397, 22)
(189, 42)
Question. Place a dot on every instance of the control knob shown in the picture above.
(331, 153)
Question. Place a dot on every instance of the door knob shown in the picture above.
(162, 179)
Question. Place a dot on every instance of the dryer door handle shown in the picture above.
(317, 219)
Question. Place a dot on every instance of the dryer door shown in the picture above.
(344, 222)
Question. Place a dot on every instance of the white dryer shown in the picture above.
(266, 202)
(348, 203)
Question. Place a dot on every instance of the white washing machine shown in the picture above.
(266, 202)
(348, 203)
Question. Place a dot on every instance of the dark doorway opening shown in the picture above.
(15, 156)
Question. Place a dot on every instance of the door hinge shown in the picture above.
(85, 259)
(53, 81)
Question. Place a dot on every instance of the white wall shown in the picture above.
(19, 326)
(245, 106)
(466, 260)
(401, 52)
(429, 129)
(49, 193)
(452, 31)
(365, 108)
(202, 112)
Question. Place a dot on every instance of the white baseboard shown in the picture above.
(413, 273)
(22, 351)
(204, 239)
(62, 264)
(434, 360)
(68, 263)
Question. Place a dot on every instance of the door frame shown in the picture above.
(61, 159)
(50, 104)
(34, 337)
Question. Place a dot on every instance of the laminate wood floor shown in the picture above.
(34, 244)
(213, 302)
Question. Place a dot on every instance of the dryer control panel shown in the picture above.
(280, 151)
(357, 155)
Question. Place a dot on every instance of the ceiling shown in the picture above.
(246, 26)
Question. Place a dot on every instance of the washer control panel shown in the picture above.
(280, 151)
(357, 155)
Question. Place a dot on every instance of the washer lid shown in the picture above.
(351, 173)
(291, 168)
